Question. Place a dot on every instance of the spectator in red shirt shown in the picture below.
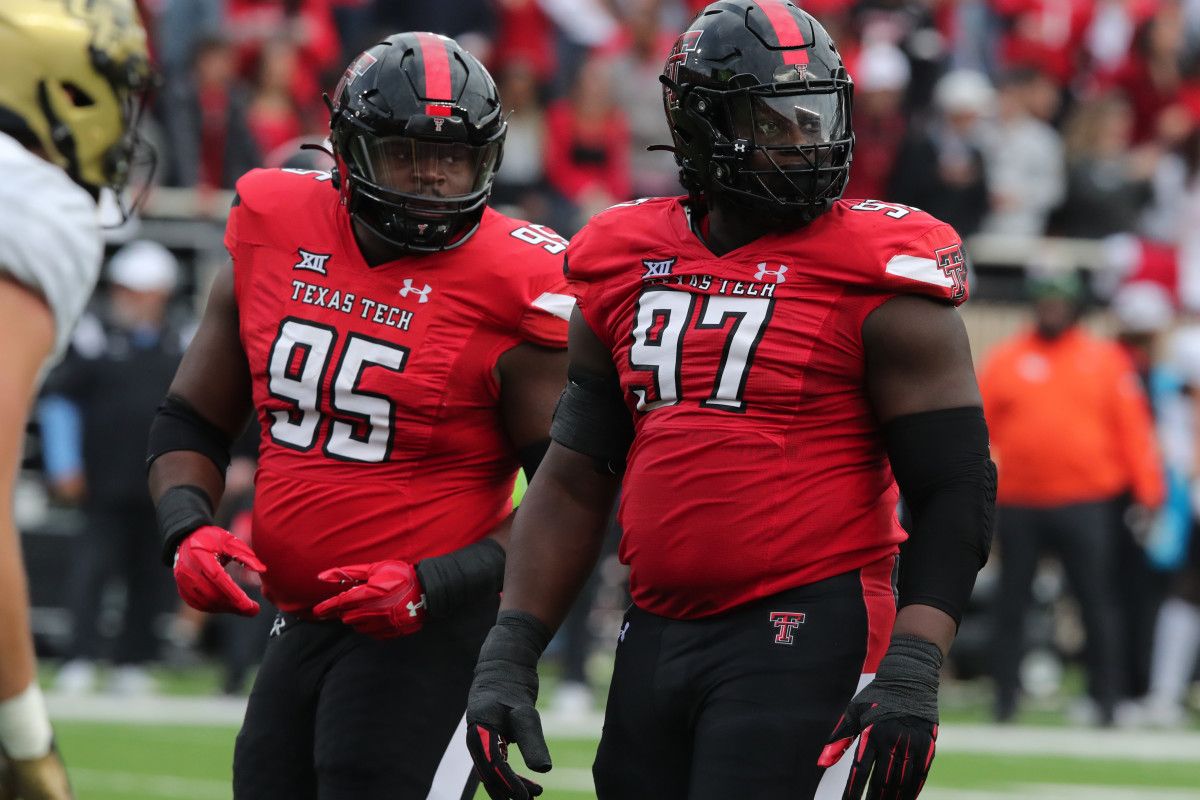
(308, 24)
(880, 80)
(274, 118)
(1152, 76)
(1047, 34)
(210, 144)
(525, 35)
(587, 143)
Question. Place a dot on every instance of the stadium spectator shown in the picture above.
(1107, 183)
(635, 89)
(307, 24)
(210, 143)
(587, 144)
(95, 416)
(940, 168)
(1046, 34)
(273, 116)
(1177, 631)
(1143, 313)
(1024, 158)
(880, 80)
(1071, 430)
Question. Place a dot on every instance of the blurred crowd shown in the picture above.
(1013, 118)
(1075, 118)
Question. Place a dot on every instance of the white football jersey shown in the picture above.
(50, 237)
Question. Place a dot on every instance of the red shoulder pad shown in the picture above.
(261, 195)
(907, 251)
(542, 303)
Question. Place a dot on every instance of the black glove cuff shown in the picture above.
(181, 510)
(454, 579)
(906, 683)
(517, 637)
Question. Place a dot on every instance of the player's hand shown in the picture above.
(200, 571)
(383, 600)
(500, 707)
(896, 719)
(42, 778)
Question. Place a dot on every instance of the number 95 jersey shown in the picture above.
(375, 387)
(757, 464)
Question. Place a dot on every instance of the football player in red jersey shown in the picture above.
(766, 362)
(402, 346)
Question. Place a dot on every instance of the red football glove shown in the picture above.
(200, 571)
(387, 599)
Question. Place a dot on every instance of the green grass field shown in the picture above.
(110, 761)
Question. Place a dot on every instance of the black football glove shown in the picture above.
(895, 717)
(500, 707)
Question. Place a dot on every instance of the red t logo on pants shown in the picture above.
(785, 623)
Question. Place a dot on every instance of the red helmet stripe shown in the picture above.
(786, 30)
(437, 74)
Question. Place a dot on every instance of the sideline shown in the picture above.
(1088, 743)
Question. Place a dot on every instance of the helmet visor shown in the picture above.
(796, 120)
(426, 169)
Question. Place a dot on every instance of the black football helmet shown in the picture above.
(759, 106)
(417, 133)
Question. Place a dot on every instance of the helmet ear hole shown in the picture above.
(78, 97)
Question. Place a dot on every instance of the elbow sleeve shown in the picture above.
(948, 480)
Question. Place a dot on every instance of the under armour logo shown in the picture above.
(413, 608)
(657, 269)
(778, 274)
(422, 294)
(624, 630)
(277, 626)
(438, 122)
(739, 146)
(785, 623)
(314, 262)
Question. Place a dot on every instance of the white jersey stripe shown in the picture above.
(559, 305)
(450, 780)
(925, 270)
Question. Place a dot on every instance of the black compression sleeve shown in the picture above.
(178, 426)
(451, 580)
(948, 480)
(181, 510)
(591, 418)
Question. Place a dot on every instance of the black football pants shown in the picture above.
(336, 715)
(740, 705)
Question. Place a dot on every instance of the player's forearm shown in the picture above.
(556, 535)
(928, 623)
(186, 468)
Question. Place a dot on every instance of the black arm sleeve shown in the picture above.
(591, 418)
(178, 426)
(942, 465)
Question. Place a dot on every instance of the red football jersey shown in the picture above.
(757, 464)
(375, 386)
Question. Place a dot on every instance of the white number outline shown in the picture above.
(341, 442)
(675, 310)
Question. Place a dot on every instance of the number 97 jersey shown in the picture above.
(375, 387)
(757, 465)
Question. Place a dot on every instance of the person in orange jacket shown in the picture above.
(1071, 434)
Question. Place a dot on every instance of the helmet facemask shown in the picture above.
(421, 194)
(781, 151)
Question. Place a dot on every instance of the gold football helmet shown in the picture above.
(73, 79)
